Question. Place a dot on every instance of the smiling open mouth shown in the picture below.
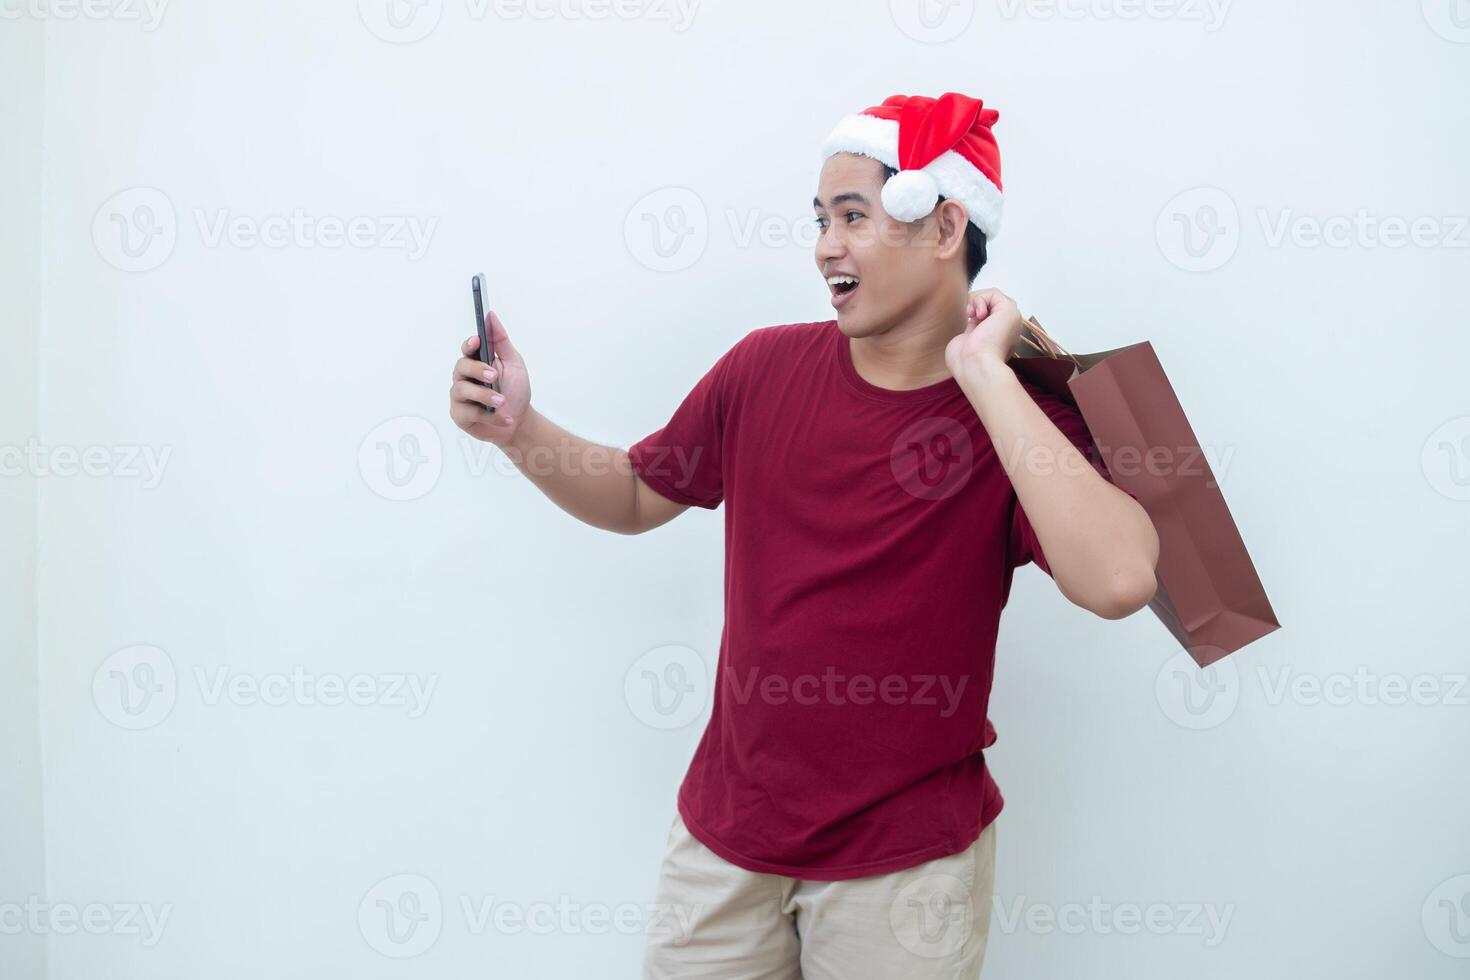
(842, 288)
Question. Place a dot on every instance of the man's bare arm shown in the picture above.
(594, 483)
(1100, 544)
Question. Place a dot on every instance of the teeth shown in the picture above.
(839, 280)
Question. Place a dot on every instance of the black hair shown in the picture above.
(974, 239)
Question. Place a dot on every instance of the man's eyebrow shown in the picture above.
(844, 196)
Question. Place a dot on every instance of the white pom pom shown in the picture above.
(910, 194)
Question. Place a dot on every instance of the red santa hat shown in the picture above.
(938, 146)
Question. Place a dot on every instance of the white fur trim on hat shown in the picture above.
(954, 176)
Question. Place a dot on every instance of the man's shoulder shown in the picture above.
(787, 336)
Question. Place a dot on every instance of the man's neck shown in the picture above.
(910, 354)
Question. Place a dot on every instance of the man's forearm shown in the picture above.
(1099, 542)
(592, 482)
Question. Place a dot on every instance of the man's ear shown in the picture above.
(952, 220)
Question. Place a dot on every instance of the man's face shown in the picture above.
(893, 261)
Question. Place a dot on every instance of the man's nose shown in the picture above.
(830, 246)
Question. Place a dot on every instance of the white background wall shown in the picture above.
(263, 381)
(22, 858)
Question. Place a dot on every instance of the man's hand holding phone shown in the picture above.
(471, 399)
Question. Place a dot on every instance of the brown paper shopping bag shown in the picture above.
(1209, 595)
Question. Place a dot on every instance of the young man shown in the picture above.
(883, 474)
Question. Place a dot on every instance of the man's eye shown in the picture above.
(849, 215)
(821, 222)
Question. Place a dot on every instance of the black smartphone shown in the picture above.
(487, 345)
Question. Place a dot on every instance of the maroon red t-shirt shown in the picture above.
(870, 537)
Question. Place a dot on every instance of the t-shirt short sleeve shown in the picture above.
(1024, 545)
(683, 459)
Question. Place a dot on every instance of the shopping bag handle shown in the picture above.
(1047, 345)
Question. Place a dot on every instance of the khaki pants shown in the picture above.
(717, 920)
